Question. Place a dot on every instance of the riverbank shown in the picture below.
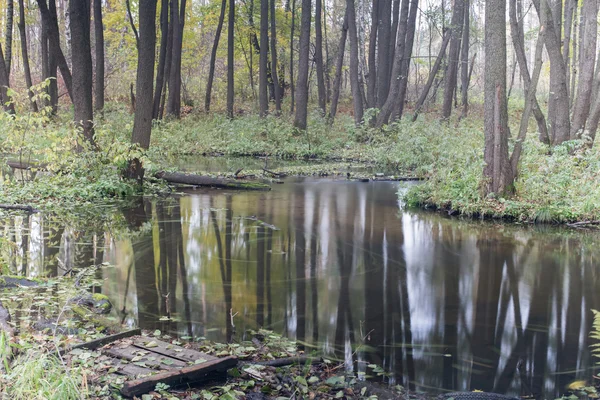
(555, 185)
(51, 315)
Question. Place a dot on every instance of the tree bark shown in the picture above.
(7, 104)
(230, 60)
(9, 35)
(263, 82)
(432, 74)
(79, 11)
(383, 55)
(464, 61)
(178, 22)
(99, 50)
(274, 65)
(517, 36)
(355, 84)
(292, 86)
(25, 55)
(558, 104)
(400, 68)
(142, 123)
(497, 170)
(338, 69)
(162, 56)
(132, 23)
(587, 43)
(303, 55)
(372, 56)
(458, 16)
(319, 57)
(48, 13)
(213, 56)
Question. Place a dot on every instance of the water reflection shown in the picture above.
(440, 303)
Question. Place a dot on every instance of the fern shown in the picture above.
(595, 333)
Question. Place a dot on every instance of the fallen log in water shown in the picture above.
(28, 209)
(25, 165)
(207, 181)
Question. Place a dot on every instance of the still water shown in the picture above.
(341, 267)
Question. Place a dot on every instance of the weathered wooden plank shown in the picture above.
(171, 350)
(177, 377)
(149, 358)
(129, 369)
(94, 344)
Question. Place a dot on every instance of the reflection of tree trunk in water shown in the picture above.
(185, 292)
(52, 237)
(225, 276)
(374, 280)
(313, 271)
(452, 271)
(300, 250)
(345, 260)
(268, 278)
(25, 245)
(145, 275)
(571, 345)
(260, 276)
(486, 344)
(398, 325)
(98, 259)
(163, 263)
(228, 266)
(535, 332)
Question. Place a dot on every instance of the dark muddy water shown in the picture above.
(440, 303)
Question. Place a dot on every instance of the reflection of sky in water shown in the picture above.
(368, 270)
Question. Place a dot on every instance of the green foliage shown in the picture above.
(42, 376)
(552, 187)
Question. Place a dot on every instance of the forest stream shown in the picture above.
(439, 303)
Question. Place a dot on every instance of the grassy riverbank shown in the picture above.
(555, 185)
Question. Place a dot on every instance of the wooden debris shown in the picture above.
(207, 181)
(183, 376)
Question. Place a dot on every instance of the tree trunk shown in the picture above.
(303, 55)
(274, 71)
(292, 86)
(25, 55)
(142, 124)
(213, 55)
(458, 17)
(230, 60)
(162, 57)
(178, 22)
(464, 61)
(517, 36)
(497, 170)
(79, 11)
(45, 58)
(354, 79)
(432, 74)
(168, 58)
(558, 104)
(338, 69)
(48, 13)
(587, 43)
(405, 65)
(319, 57)
(383, 55)
(9, 35)
(263, 82)
(7, 104)
(400, 68)
(372, 76)
(99, 44)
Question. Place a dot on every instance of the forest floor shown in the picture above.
(555, 185)
(45, 318)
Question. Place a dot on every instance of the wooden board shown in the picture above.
(153, 361)
(178, 377)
